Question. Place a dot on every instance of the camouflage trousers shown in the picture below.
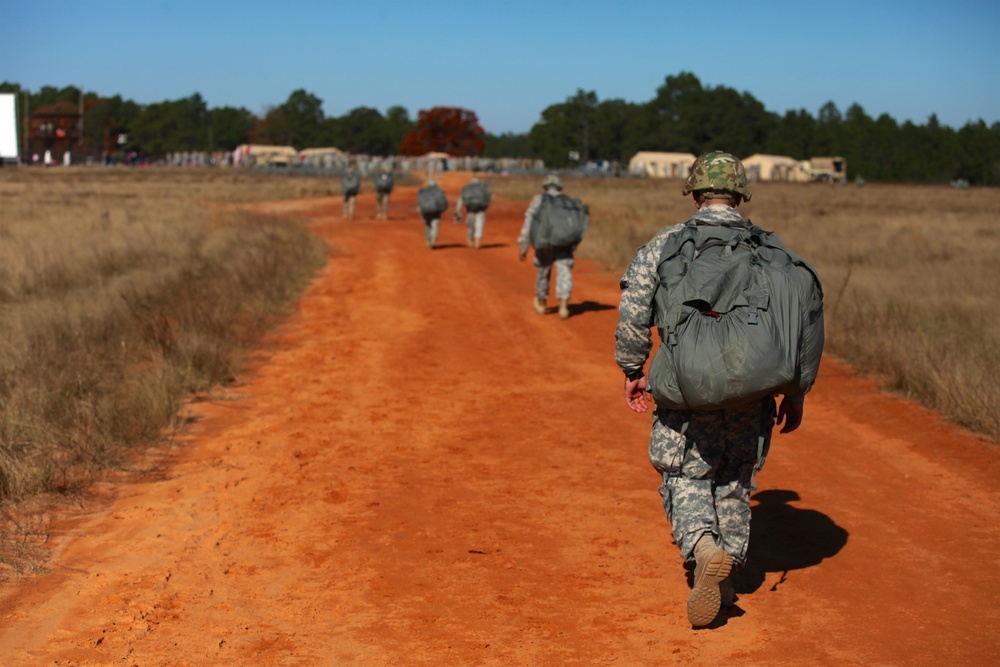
(382, 205)
(562, 258)
(475, 222)
(707, 460)
(431, 225)
(349, 202)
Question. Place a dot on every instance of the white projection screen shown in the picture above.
(8, 125)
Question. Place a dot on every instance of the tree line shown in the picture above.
(683, 116)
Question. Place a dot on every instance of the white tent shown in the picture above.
(661, 165)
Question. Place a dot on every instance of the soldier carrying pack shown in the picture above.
(431, 200)
(350, 184)
(384, 183)
(476, 196)
(729, 304)
(559, 222)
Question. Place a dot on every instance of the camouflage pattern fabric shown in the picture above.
(432, 222)
(349, 204)
(707, 460)
(475, 220)
(382, 205)
(562, 259)
(718, 172)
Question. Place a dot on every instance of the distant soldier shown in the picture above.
(432, 203)
(383, 189)
(476, 199)
(554, 225)
(350, 186)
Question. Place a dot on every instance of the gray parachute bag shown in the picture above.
(431, 200)
(384, 183)
(350, 185)
(476, 196)
(559, 222)
(729, 312)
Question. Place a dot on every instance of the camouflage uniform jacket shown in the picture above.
(634, 334)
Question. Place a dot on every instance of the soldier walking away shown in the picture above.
(706, 283)
(554, 225)
(384, 183)
(475, 198)
(350, 186)
(432, 203)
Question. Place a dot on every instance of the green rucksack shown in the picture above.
(431, 200)
(384, 183)
(729, 304)
(350, 185)
(559, 222)
(476, 196)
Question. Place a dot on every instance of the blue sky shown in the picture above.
(509, 59)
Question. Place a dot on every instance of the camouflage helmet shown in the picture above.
(718, 172)
(552, 181)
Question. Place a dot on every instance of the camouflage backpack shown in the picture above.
(431, 200)
(559, 222)
(476, 196)
(350, 185)
(729, 310)
(384, 183)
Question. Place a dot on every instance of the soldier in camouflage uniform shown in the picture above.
(384, 183)
(348, 189)
(475, 221)
(544, 260)
(707, 458)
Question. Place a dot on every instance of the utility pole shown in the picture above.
(24, 135)
(79, 129)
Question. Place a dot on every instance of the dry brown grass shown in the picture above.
(122, 291)
(910, 273)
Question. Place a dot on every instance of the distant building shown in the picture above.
(54, 128)
(259, 155)
(829, 169)
(762, 167)
(661, 165)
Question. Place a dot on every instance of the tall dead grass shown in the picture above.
(123, 291)
(910, 273)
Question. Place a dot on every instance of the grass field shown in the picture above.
(910, 273)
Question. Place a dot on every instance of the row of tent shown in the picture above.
(760, 167)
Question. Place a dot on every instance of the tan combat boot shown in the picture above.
(563, 308)
(712, 566)
(539, 305)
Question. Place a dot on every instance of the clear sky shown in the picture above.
(508, 60)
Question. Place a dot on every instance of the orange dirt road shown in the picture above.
(419, 470)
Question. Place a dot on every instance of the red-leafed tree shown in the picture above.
(449, 130)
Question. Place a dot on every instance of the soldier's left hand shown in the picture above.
(790, 412)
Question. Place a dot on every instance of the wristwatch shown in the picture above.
(632, 376)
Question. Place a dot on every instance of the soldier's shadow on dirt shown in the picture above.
(588, 307)
(485, 246)
(784, 538)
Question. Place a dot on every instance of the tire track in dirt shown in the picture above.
(421, 471)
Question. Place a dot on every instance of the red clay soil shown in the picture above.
(420, 470)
